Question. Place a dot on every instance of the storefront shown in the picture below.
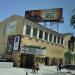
(31, 55)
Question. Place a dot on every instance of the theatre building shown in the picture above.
(25, 43)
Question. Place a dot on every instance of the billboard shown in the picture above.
(49, 15)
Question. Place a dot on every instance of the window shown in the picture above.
(54, 39)
(35, 32)
(10, 28)
(58, 40)
(46, 36)
(61, 41)
(40, 34)
(28, 30)
(37, 59)
(42, 60)
(50, 37)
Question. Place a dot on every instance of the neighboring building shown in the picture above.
(69, 46)
(26, 42)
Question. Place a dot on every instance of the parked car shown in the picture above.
(68, 66)
(69, 69)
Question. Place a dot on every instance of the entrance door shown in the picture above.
(29, 61)
(47, 61)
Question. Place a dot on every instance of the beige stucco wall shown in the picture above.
(52, 50)
(66, 38)
(2, 41)
(3, 37)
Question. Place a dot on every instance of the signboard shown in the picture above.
(51, 15)
(10, 28)
(16, 42)
(32, 51)
(10, 44)
(13, 43)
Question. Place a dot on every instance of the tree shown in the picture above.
(73, 20)
(68, 57)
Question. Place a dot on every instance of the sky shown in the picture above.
(18, 7)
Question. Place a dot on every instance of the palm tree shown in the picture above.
(72, 21)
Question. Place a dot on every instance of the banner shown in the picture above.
(10, 44)
(16, 42)
(13, 43)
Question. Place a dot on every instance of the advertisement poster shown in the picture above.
(13, 43)
(10, 44)
(53, 15)
(16, 42)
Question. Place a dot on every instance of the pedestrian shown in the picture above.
(33, 68)
(37, 67)
(59, 66)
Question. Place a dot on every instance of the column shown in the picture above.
(52, 38)
(60, 41)
(48, 37)
(31, 33)
(56, 40)
(37, 34)
(63, 42)
(24, 30)
(43, 35)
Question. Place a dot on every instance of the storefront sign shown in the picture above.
(32, 51)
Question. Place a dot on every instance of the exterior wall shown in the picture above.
(19, 23)
(3, 41)
(51, 49)
(16, 57)
(66, 38)
(3, 37)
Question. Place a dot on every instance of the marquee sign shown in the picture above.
(32, 51)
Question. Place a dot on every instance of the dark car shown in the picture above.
(68, 66)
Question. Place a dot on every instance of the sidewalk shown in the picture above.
(44, 70)
(22, 71)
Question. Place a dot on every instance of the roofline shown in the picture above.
(12, 16)
(69, 33)
(45, 27)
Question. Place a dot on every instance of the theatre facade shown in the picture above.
(25, 42)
